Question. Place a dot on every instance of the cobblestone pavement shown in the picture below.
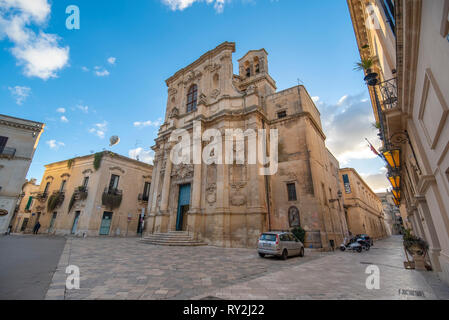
(124, 268)
(342, 276)
(113, 268)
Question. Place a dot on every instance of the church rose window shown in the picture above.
(191, 98)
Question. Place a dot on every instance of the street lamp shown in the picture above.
(393, 158)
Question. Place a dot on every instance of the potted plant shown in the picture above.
(366, 65)
(417, 247)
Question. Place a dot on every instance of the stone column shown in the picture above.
(166, 185)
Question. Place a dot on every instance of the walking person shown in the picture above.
(36, 228)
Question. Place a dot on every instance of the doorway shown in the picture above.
(52, 222)
(183, 207)
(75, 222)
(105, 226)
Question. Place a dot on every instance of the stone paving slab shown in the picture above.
(117, 268)
(124, 268)
(342, 276)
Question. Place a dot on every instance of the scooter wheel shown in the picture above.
(342, 248)
(359, 249)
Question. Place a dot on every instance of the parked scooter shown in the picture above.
(351, 245)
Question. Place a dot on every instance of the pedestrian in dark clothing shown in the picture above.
(36, 228)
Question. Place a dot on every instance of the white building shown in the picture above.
(18, 141)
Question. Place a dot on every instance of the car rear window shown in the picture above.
(268, 237)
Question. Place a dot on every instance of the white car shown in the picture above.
(281, 244)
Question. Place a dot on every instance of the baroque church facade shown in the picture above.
(230, 205)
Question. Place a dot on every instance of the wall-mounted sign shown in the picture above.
(3, 212)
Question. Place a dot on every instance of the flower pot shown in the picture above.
(420, 263)
(371, 78)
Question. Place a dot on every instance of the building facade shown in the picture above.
(231, 203)
(99, 194)
(363, 209)
(393, 219)
(18, 141)
(24, 220)
(412, 110)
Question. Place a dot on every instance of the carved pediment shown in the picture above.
(117, 168)
(65, 175)
(182, 171)
(192, 76)
(215, 93)
(88, 171)
(49, 178)
(172, 91)
(212, 67)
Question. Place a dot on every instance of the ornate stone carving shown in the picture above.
(212, 67)
(292, 176)
(192, 76)
(172, 91)
(88, 171)
(293, 217)
(182, 171)
(173, 113)
(202, 99)
(215, 93)
(211, 194)
(251, 89)
(65, 175)
(49, 177)
(238, 198)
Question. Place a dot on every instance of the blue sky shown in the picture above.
(107, 78)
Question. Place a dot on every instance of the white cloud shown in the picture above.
(100, 129)
(346, 125)
(19, 93)
(378, 182)
(101, 72)
(183, 4)
(112, 60)
(85, 69)
(64, 119)
(315, 99)
(84, 109)
(55, 145)
(149, 123)
(142, 155)
(39, 53)
(60, 110)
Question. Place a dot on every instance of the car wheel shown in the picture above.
(359, 249)
(301, 253)
(262, 255)
(284, 254)
(367, 247)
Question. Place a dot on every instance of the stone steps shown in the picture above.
(172, 238)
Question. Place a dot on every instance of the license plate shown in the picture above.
(267, 245)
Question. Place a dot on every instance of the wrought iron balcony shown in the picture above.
(81, 193)
(112, 198)
(142, 197)
(6, 152)
(389, 91)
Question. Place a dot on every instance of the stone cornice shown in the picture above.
(21, 123)
(224, 46)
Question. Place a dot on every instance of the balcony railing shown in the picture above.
(41, 196)
(112, 198)
(6, 152)
(389, 91)
(143, 198)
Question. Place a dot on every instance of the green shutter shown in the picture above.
(29, 203)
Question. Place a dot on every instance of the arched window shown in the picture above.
(192, 98)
